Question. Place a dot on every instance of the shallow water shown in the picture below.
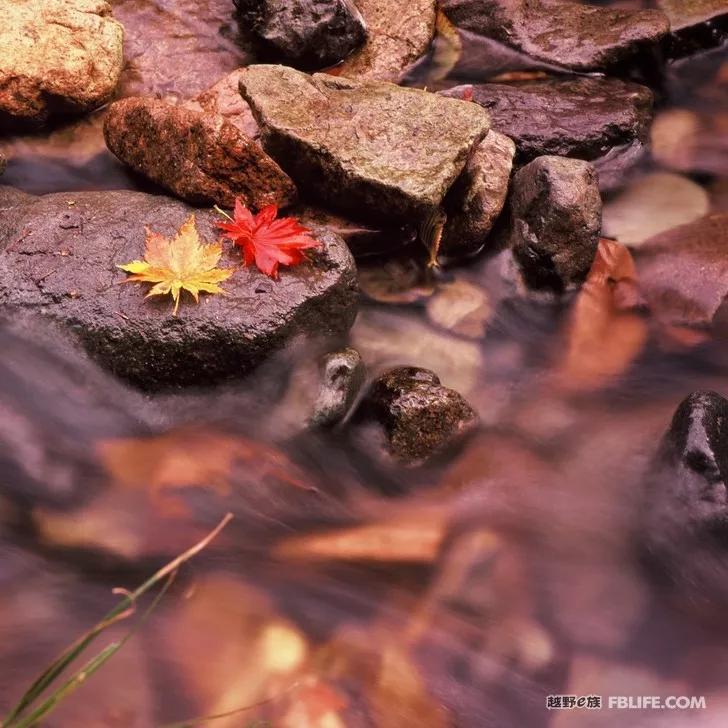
(350, 591)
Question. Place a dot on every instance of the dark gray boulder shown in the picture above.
(420, 417)
(556, 214)
(580, 117)
(342, 377)
(571, 35)
(307, 33)
(58, 257)
(371, 149)
(684, 519)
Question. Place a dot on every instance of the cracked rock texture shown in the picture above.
(399, 32)
(59, 256)
(199, 156)
(56, 56)
(307, 33)
(570, 35)
(556, 220)
(373, 149)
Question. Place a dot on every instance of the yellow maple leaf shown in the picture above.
(182, 263)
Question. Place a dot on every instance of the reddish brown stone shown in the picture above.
(198, 156)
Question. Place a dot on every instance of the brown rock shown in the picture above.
(556, 220)
(683, 272)
(420, 415)
(399, 32)
(478, 195)
(199, 157)
(56, 56)
(373, 149)
(224, 99)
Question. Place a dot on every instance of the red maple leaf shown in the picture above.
(267, 240)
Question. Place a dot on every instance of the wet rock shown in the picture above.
(399, 32)
(683, 272)
(419, 415)
(372, 149)
(695, 24)
(307, 33)
(199, 157)
(570, 35)
(224, 99)
(571, 117)
(56, 56)
(556, 219)
(685, 512)
(3, 162)
(478, 195)
(342, 376)
(60, 256)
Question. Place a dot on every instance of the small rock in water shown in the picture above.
(478, 195)
(556, 219)
(399, 32)
(653, 204)
(570, 35)
(419, 415)
(3, 162)
(578, 117)
(59, 260)
(685, 513)
(309, 33)
(56, 56)
(199, 157)
(683, 272)
(342, 376)
(372, 149)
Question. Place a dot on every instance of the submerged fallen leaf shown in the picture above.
(182, 263)
(266, 240)
(605, 335)
(191, 458)
(416, 539)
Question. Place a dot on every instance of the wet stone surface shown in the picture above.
(307, 33)
(56, 56)
(578, 117)
(419, 415)
(342, 376)
(685, 511)
(398, 33)
(570, 35)
(556, 218)
(478, 196)
(683, 272)
(373, 149)
(198, 156)
(59, 259)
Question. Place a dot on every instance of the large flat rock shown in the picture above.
(570, 35)
(59, 255)
(56, 56)
(578, 117)
(371, 149)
